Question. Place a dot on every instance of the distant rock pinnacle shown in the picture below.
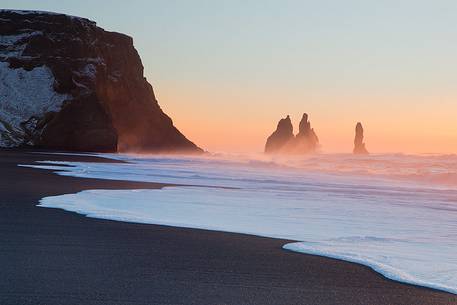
(306, 139)
(280, 137)
(359, 145)
(282, 140)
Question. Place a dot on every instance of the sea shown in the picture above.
(395, 213)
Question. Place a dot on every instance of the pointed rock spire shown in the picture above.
(279, 138)
(305, 125)
(306, 139)
(284, 141)
(359, 145)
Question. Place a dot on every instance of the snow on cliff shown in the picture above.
(70, 85)
(25, 96)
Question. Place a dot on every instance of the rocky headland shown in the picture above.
(68, 84)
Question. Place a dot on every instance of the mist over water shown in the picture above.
(394, 213)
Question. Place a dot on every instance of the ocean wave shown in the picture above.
(394, 213)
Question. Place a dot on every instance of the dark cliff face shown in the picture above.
(280, 137)
(283, 141)
(99, 100)
(359, 146)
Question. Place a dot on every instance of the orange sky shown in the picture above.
(229, 119)
(227, 71)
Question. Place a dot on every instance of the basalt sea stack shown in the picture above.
(306, 139)
(283, 141)
(359, 145)
(283, 135)
(67, 84)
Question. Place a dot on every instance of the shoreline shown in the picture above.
(287, 277)
(288, 245)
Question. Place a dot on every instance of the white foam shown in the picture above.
(405, 229)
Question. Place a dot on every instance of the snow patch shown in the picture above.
(12, 39)
(12, 46)
(25, 97)
(89, 70)
(35, 12)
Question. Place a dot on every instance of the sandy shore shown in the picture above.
(50, 256)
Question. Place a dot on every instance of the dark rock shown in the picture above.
(283, 140)
(306, 139)
(359, 145)
(103, 102)
(83, 121)
(280, 137)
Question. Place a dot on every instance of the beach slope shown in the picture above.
(49, 256)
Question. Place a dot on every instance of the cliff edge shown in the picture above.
(66, 83)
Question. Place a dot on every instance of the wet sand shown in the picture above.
(49, 256)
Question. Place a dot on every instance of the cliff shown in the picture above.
(68, 84)
(359, 145)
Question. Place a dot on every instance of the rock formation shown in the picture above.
(306, 139)
(67, 84)
(283, 140)
(359, 145)
(280, 137)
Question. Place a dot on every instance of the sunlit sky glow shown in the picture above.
(227, 71)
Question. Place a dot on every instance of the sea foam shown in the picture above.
(389, 212)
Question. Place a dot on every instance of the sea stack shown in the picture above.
(306, 139)
(359, 145)
(283, 141)
(68, 84)
(280, 137)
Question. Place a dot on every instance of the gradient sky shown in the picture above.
(227, 71)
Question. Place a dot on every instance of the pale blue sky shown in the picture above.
(324, 57)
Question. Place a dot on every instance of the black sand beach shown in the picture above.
(50, 256)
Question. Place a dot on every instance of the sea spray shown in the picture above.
(389, 212)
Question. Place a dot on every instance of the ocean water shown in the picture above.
(394, 213)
